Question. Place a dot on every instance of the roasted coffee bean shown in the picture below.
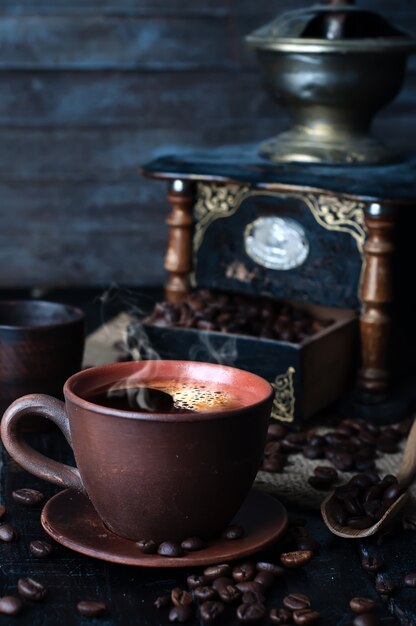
(195, 581)
(28, 497)
(264, 566)
(360, 522)
(181, 614)
(296, 601)
(11, 605)
(216, 571)
(228, 593)
(352, 505)
(244, 572)
(362, 481)
(362, 605)
(320, 484)
(147, 546)
(274, 465)
(253, 597)
(170, 549)
(276, 431)
(180, 596)
(366, 619)
(193, 544)
(305, 616)
(221, 582)
(91, 608)
(31, 589)
(297, 438)
(385, 586)
(272, 449)
(338, 513)
(296, 558)
(313, 452)
(233, 532)
(389, 479)
(372, 563)
(249, 586)
(211, 610)
(265, 579)
(323, 471)
(2, 511)
(251, 613)
(375, 492)
(372, 508)
(317, 441)
(202, 594)
(343, 461)
(280, 616)
(392, 493)
(40, 549)
(161, 602)
(410, 580)
(7, 533)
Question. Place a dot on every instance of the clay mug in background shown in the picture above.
(153, 476)
(41, 345)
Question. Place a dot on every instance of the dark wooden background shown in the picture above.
(89, 90)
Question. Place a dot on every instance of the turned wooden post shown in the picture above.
(178, 259)
(376, 296)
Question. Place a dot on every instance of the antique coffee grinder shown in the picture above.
(321, 216)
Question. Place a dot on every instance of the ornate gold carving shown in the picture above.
(213, 201)
(339, 214)
(284, 400)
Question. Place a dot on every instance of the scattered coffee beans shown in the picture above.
(170, 549)
(366, 619)
(7, 533)
(181, 614)
(298, 558)
(362, 605)
(10, 605)
(372, 563)
(385, 586)
(195, 581)
(91, 608)
(410, 580)
(193, 544)
(216, 571)
(280, 616)
(180, 597)
(305, 616)
(204, 594)
(161, 602)
(233, 532)
(244, 572)
(147, 546)
(40, 549)
(28, 497)
(210, 611)
(264, 579)
(31, 589)
(264, 566)
(251, 613)
(296, 601)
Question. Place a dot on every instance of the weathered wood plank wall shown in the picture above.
(89, 90)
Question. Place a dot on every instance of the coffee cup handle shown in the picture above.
(32, 460)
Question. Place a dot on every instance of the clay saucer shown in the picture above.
(71, 520)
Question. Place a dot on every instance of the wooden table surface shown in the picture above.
(332, 577)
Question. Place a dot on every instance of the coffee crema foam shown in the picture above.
(194, 396)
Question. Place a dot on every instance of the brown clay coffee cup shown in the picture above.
(160, 476)
(41, 345)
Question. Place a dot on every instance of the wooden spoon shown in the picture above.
(405, 477)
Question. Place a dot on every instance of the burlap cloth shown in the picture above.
(105, 346)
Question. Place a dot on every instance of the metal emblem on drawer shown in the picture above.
(278, 243)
